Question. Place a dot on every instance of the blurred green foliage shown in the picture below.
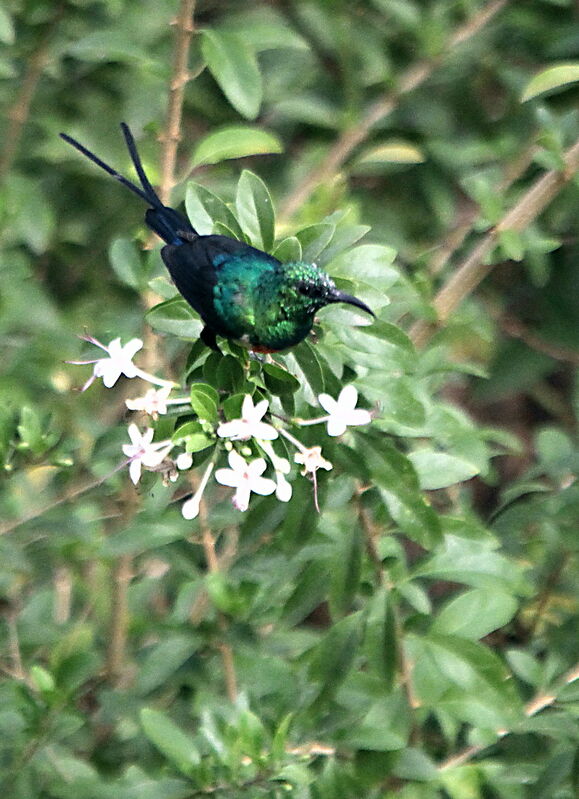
(435, 594)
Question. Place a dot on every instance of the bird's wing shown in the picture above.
(195, 267)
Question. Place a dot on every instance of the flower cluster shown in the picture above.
(243, 475)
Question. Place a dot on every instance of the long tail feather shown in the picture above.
(165, 221)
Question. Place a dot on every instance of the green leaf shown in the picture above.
(334, 656)
(141, 536)
(288, 250)
(475, 613)
(384, 728)
(439, 469)
(170, 740)
(380, 640)
(42, 679)
(30, 431)
(177, 317)
(255, 210)
(310, 590)
(206, 209)
(234, 66)
(394, 396)
(163, 288)
(7, 33)
(525, 666)
(126, 262)
(392, 152)
(512, 244)
(398, 484)
(108, 45)
(550, 79)
(229, 375)
(193, 436)
(235, 141)
(345, 568)
(205, 401)
(472, 562)
(309, 362)
(314, 239)
(279, 381)
(164, 659)
(367, 262)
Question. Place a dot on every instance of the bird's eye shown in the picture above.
(304, 288)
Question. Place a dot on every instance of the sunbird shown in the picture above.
(240, 292)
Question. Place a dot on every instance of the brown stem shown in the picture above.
(473, 270)
(213, 565)
(68, 496)
(18, 112)
(179, 78)
(516, 329)
(542, 700)
(456, 237)
(62, 594)
(119, 619)
(354, 135)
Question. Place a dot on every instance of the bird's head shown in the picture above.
(308, 288)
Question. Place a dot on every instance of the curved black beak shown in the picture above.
(340, 296)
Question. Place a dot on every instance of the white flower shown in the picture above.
(154, 402)
(282, 467)
(184, 460)
(190, 508)
(250, 424)
(343, 412)
(311, 459)
(245, 478)
(119, 362)
(142, 452)
(283, 489)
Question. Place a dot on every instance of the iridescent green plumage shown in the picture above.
(240, 292)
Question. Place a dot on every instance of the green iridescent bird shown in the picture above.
(239, 292)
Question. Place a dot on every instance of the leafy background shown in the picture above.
(418, 637)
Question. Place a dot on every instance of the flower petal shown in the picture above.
(336, 426)
(283, 490)
(237, 463)
(228, 477)
(234, 429)
(328, 403)
(262, 485)
(358, 416)
(348, 397)
(135, 470)
(241, 497)
(260, 410)
(264, 431)
(256, 467)
(247, 407)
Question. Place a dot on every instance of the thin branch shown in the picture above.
(62, 594)
(541, 701)
(179, 78)
(473, 269)
(214, 566)
(356, 134)
(119, 618)
(516, 329)
(68, 496)
(457, 236)
(19, 111)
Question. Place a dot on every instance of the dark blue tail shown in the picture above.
(166, 222)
